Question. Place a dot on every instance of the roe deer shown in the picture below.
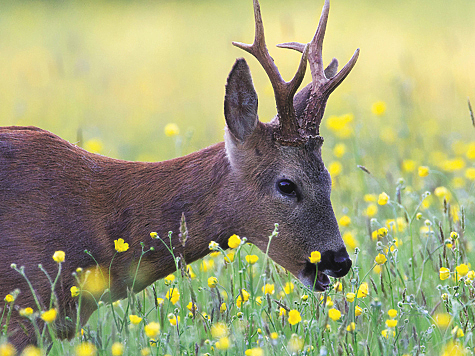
(57, 196)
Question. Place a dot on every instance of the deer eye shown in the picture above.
(287, 187)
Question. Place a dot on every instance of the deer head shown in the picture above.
(278, 166)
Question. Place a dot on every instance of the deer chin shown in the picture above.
(312, 278)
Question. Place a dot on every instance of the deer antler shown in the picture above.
(323, 81)
(284, 91)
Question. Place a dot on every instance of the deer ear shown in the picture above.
(240, 102)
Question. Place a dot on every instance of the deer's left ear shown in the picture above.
(240, 102)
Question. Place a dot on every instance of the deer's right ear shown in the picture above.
(240, 102)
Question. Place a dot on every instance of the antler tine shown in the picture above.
(284, 91)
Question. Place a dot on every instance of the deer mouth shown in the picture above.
(313, 278)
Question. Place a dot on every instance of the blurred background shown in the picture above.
(110, 75)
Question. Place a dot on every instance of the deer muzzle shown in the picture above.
(335, 264)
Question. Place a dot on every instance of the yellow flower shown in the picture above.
(120, 245)
(173, 319)
(223, 343)
(452, 165)
(212, 282)
(351, 327)
(453, 348)
(470, 173)
(173, 295)
(462, 270)
(350, 297)
(49, 315)
(74, 291)
(443, 320)
(94, 145)
(7, 350)
(380, 233)
(315, 257)
(134, 319)
(408, 165)
(234, 241)
(380, 259)
(117, 349)
(289, 286)
(9, 298)
(378, 108)
(371, 210)
(423, 171)
(387, 333)
(349, 240)
(26, 311)
(377, 269)
(160, 301)
(282, 311)
(191, 306)
(213, 246)
(274, 335)
(190, 272)
(444, 273)
(171, 129)
(335, 168)
(334, 314)
(383, 198)
(295, 343)
(392, 313)
(152, 329)
(169, 279)
(255, 351)
(154, 235)
(294, 317)
(219, 330)
(145, 351)
(59, 256)
(358, 310)
(362, 290)
(229, 257)
(338, 287)
(251, 259)
(305, 297)
(345, 220)
(339, 150)
(242, 298)
(391, 323)
(30, 350)
(268, 289)
(457, 332)
(85, 349)
(223, 307)
(442, 193)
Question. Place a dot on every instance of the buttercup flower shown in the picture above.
(315, 257)
(294, 317)
(213, 246)
(334, 314)
(223, 343)
(350, 297)
(383, 198)
(212, 282)
(268, 289)
(251, 259)
(173, 295)
(74, 291)
(444, 273)
(392, 313)
(120, 245)
(423, 171)
(462, 270)
(49, 315)
(85, 349)
(134, 319)
(362, 290)
(152, 329)
(234, 241)
(9, 298)
(117, 349)
(59, 256)
(171, 129)
(380, 259)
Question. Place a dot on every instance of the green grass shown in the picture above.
(112, 75)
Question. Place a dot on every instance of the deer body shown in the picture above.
(57, 196)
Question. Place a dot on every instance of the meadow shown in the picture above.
(145, 81)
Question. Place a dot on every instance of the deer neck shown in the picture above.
(151, 197)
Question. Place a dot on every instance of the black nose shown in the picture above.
(335, 264)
